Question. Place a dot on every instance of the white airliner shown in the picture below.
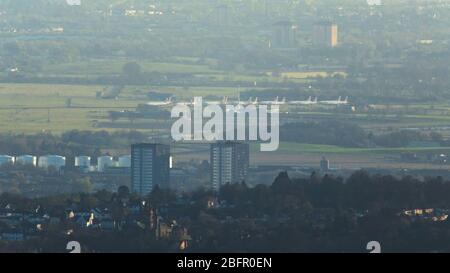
(309, 101)
(339, 101)
(253, 102)
(275, 102)
(240, 102)
(167, 102)
(187, 103)
(224, 101)
(238, 106)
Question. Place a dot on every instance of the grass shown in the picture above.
(289, 147)
(189, 93)
(310, 74)
(33, 121)
(15, 97)
(114, 67)
(103, 67)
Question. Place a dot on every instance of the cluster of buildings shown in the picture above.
(150, 165)
(432, 158)
(324, 34)
(19, 225)
(430, 214)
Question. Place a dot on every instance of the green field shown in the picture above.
(294, 148)
(16, 98)
(207, 69)
(114, 67)
(30, 108)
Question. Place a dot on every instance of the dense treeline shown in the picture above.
(70, 143)
(329, 214)
(360, 191)
(351, 135)
(326, 132)
(317, 214)
(77, 142)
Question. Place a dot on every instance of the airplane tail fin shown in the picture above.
(340, 98)
(256, 100)
(309, 99)
(225, 100)
(346, 99)
(315, 100)
(284, 100)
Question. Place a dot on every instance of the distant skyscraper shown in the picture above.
(222, 15)
(324, 165)
(325, 34)
(284, 35)
(229, 163)
(149, 167)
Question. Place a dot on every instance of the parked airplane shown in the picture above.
(339, 101)
(240, 102)
(188, 103)
(249, 102)
(309, 101)
(167, 102)
(253, 102)
(224, 101)
(275, 102)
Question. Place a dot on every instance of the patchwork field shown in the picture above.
(32, 108)
(309, 155)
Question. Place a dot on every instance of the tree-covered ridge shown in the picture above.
(318, 214)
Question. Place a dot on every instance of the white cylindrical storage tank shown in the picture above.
(104, 162)
(26, 160)
(6, 159)
(55, 161)
(42, 162)
(83, 161)
(124, 161)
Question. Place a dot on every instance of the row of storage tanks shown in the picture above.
(56, 161)
(103, 162)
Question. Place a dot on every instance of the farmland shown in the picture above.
(34, 108)
(52, 75)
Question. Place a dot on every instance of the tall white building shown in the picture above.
(229, 163)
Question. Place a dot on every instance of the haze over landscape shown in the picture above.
(87, 89)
